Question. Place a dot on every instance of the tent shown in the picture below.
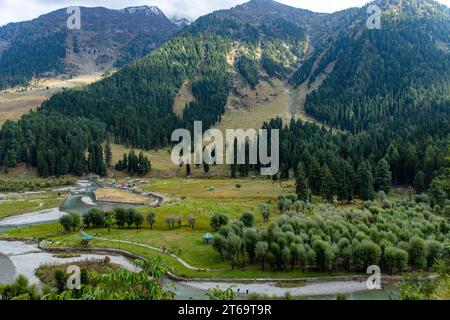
(207, 237)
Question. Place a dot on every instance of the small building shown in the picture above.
(86, 239)
(207, 237)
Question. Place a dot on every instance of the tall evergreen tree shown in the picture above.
(364, 181)
(383, 176)
(419, 182)
(328, 184)
(315, 177)
(302, 187)
(108, 153)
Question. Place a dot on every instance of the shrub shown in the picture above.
(386, 204)
(218, 220)
(248, 219)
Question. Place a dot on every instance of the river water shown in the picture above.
(82, 200)
(7, 270)
(25, 258)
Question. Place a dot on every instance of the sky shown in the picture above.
(20, 10)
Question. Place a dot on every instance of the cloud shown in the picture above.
(20, 10)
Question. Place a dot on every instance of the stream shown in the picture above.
(21, 258)
(80, 201)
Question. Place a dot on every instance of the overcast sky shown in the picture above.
(20, 10)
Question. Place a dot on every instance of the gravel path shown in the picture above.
(184, 263)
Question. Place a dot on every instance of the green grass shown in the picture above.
(261, 189)
(194, 251)
(226, 198)
(200, 203)
(30, 203)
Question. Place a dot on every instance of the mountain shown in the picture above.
(387, 90)
(398, 74)
(248, 42)
(107, 38)
(181, 22)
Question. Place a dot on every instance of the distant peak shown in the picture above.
(148, 10)
(180, 22)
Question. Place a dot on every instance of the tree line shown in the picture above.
(405, 235)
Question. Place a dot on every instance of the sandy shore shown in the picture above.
(33, 218)
(88, 200)
(26, 258)
(270, 289)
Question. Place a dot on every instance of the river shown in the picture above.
(20, 258)
(23, 258)
(80, 201)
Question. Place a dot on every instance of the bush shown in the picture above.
(70, 222)
(248, 219)
(386, 204)
(218, 220)
(396, 259)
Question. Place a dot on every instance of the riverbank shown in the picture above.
(27, 257)
(40, 217)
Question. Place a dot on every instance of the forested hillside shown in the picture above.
(46, 47)
(399, 74)
(135, 104)
(388, 92)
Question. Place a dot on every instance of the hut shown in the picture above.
(207, 237)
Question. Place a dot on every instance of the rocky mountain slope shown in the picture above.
(107, 38)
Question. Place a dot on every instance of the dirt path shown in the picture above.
(184, 263)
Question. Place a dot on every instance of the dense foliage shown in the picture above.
(134, 164)
(405, 236)
(25, 60)
(391, 77)
(20, 185)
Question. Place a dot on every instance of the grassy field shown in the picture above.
(162, 165)
(188, 243)
(245, 110)
(193, 251)
(254, 107)
(17, 101)
(31, 203)
(20, 171)
(183, 97)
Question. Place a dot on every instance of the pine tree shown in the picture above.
(328, 184)
(315, 177)
(124, 162)
(43, 170)
(302, 187)
(344, 181)
(419, 182)
(10, 159)
(108, 154)
(364, 181)
(383, 176)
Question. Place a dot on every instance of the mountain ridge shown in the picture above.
(108, 38)
(383, 84)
